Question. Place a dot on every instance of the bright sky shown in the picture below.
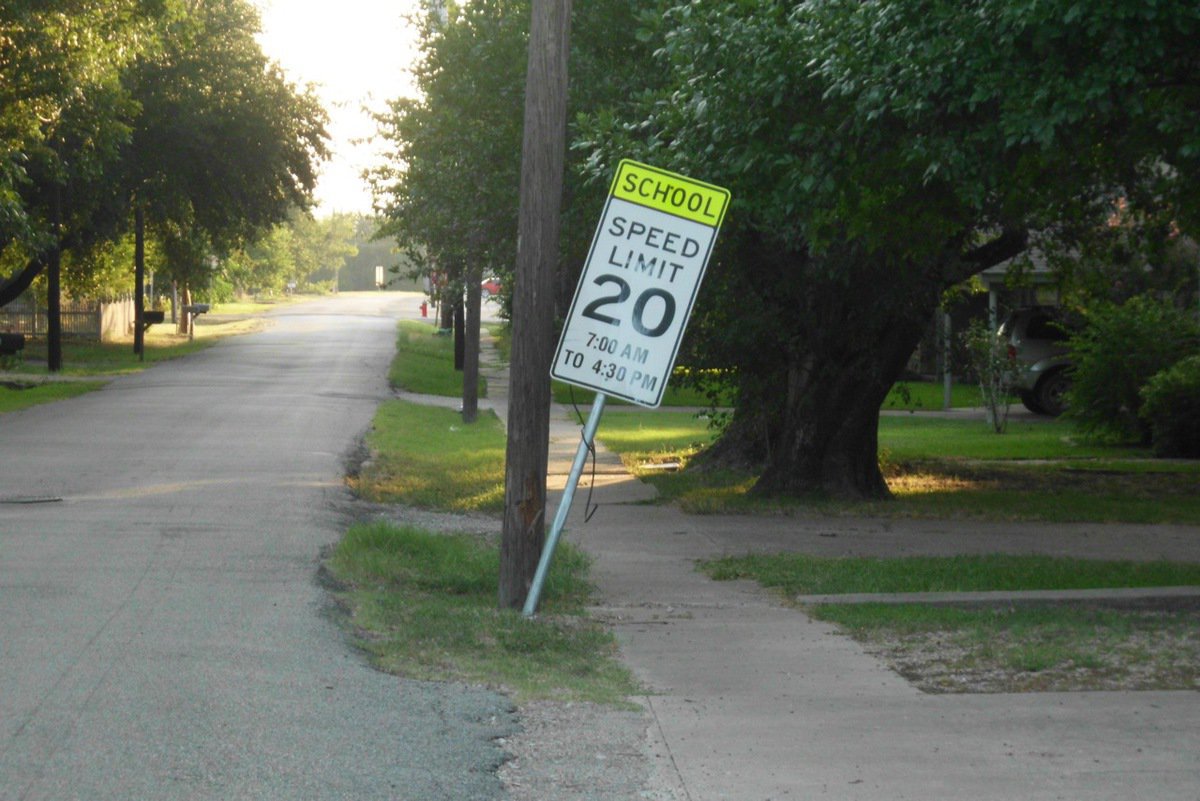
(356, 52)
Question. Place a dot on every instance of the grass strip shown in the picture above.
(674, 395)
(917, 437)
(83, 358)
(17, 395)
(800, 574)
(425, 606)
(1001, 647)
(424, 362)
(427, 457)
(647, 437)
(929, 396)
(1028, 648)
(913, 396)
(110, 358)
(936, 468)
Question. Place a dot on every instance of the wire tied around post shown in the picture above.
(589, 508)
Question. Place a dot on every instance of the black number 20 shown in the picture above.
(592, 310)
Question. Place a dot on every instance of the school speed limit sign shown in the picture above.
(639, 283)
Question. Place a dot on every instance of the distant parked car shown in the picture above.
(490, 287)
(1037, 343)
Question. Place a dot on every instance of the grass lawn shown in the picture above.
(100, 359)
(84, 358)
(800, 574)
(425, 607)
(111, 358)
(427, 457)
(256, 307)
(929, 396)
(916, 437)
(905, 396)
(424, 362)
(21, 395)
(674, 395)
(937, 468)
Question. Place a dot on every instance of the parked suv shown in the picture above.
(1036, 339)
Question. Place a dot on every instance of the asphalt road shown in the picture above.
(162, 631)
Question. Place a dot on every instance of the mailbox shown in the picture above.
(11, 343)
(196, 308)
(153, 317)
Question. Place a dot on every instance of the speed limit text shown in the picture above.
(642, 237)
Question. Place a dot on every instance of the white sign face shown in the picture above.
(639, 283)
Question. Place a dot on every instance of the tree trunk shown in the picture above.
(542, 156)
(827, 335)
(470, 391)
(828, 440)
(185, 317)
(830, 337)
(460, 347)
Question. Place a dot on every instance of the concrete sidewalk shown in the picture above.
(750, 700)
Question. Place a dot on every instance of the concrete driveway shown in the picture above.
(162, 631)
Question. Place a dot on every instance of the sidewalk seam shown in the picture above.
(662, 738)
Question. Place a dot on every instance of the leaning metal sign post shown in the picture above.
(633, 301)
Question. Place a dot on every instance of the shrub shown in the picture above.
(1116, 353)
(218, 291)
(1171, 407)
(995, 371)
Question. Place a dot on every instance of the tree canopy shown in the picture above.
(879, 153)
(222, 139)
(60, 65)
(448, 188)
(169, 103)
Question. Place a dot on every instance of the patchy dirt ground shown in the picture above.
(579, 752)
(1141, 650)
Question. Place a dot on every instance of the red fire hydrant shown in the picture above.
(424, 309)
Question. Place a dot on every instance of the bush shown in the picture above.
(218, 290)
(992, 367)
(1116, 353)
(1171, 407)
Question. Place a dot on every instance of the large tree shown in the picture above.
(879, 153)
(224, 145)
(63, 115)
(448, 188)
(167, 104)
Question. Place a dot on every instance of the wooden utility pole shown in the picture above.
(139, 281)
(54, 353)
(474, 303)
(542, 155)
